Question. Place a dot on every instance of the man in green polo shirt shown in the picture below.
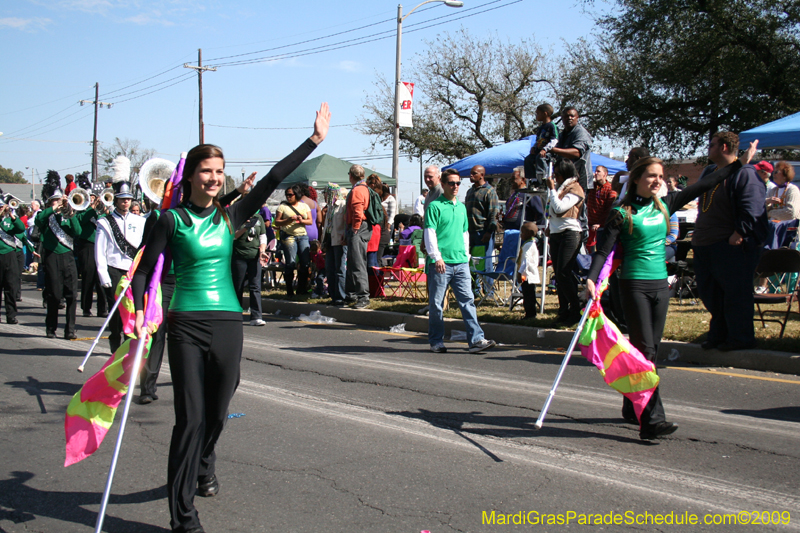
(447, 242)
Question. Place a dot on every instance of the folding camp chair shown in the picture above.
(404, 278)
(503, 288)
(784, 263)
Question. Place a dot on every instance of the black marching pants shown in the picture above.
(115, 325)
(204, 358)
(10, 279)
(645, 304)
(152, 366)
(61, 281)
(90, 281)
(564, 248)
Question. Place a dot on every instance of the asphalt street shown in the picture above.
(340, 428)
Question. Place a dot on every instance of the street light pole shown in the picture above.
(396, 136)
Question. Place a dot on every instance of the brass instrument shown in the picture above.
(153, 178)
(107, 197)
(78, 199)
(12, 202)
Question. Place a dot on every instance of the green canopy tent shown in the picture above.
(324, 169)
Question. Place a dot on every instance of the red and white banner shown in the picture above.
(406, 97)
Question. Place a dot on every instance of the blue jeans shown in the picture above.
(456, 276)
(336, 268)
(296, 249)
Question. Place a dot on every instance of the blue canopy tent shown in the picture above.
(504, 158)
(783, 133)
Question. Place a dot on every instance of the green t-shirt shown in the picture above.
(246, 246)
(645, 256)
(449, 220)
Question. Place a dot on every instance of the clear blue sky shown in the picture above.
(55, 50)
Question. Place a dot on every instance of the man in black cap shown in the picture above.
(58, 229)
(118, 237)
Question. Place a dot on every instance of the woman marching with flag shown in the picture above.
(205, 318)
(640, 224)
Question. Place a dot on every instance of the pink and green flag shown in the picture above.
(91, 411)
(623, 367)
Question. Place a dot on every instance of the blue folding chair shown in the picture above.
(497, 281)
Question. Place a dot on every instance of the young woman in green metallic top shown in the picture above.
(640, 224)
(205, 318)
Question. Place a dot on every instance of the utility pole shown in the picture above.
(97, 104)
(200, 68)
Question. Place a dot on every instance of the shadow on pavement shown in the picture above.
(788, 414)
(510, 426)
(20, 503)
(50, 388)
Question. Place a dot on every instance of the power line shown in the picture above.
(140, 82)
(48, 118)
(46, 103)
(187, 76)
(368, 39)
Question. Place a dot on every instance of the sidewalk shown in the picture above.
(756, 359)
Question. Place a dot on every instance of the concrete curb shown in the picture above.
(756, 359)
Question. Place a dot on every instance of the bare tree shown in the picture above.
(470, 94)
(129, 148)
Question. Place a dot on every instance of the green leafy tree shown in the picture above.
(470, 94)
(9, 176)
(671, 73)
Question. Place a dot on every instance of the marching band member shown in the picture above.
(205, 318)
(10, 276)
(58, 229)
(84, 249)
(118, 237)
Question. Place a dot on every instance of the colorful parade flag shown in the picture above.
(91, 411)
(623, 367)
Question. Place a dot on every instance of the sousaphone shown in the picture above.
(153, 177)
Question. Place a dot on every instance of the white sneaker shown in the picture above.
(761, 290)
(481, 346)
(439, 348)
(257, 322)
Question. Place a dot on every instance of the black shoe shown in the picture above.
(103, 314)
(70, 336)
(144, 399)
(51, 335)
(12, 321)
(655, 431)
(630, 418)
(62, 305)
(736, 345)
(709, 345)
(208, 486)
(87, 313)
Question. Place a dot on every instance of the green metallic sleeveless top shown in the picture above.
(201, 255)
(645, 256)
